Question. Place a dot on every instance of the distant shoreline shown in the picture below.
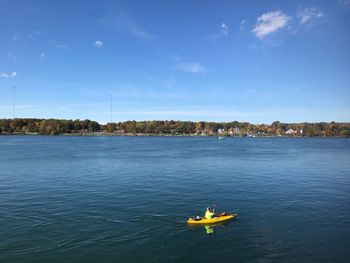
(104, 134)
(31, 126)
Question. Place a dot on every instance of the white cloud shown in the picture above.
(242, 24)
(8, 75)
(192, 67)
(270, 22)
(309, 14)
(98, 43)
(224, 29)
(4, 75)
(42, 55)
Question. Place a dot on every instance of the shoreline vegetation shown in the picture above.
(30, 126)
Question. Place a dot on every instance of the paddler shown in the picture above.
(209, 213)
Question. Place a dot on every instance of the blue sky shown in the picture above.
(256, 61)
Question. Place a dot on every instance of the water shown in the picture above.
(126, 199)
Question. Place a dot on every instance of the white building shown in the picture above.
(221, 131)
(290, 132)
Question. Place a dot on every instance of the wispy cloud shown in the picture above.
(60, 46)
(18, 36)
(344, 2)
(204, 113)
(42, 55)
(134, 28)
(124, 22)
(309, 14)
(242, 24)
(8, 75)
(98, 43)
(26, 36)
(269, 23)
(191, 67)
(224, 29)
(11, 56)
(222, 32)
(188, 112)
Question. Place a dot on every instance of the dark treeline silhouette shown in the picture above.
(57, 127)
(47, 126)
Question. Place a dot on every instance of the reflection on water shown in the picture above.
(211, 228)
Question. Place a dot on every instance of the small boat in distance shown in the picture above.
(220, 138)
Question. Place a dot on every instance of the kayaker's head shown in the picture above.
(208, 209)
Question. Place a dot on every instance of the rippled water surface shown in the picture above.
(126, 199)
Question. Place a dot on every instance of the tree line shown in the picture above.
(235, 128)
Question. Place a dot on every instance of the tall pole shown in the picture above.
(14, 102)
(111, 101)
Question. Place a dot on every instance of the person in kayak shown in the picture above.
(209, 213)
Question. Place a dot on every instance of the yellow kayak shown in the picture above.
(218, 219)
